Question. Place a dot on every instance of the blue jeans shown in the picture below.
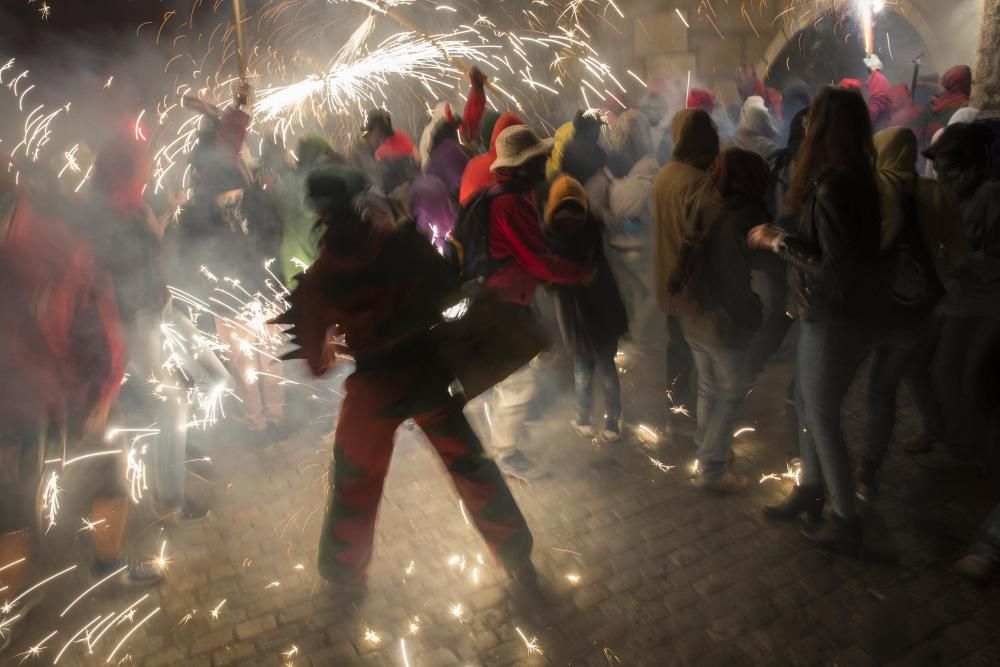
(828, 357)
(602, 361)
(146, 364)
(723, 378)
(679, 363)
(894, 355)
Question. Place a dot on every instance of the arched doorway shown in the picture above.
(830, 49)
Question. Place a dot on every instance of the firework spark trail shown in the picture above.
(130, 633)
(86, 592)
(530, 644)
(37, 649)
(74, 638)
(7, 607)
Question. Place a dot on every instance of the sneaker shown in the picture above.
(976, 567)
(520, 466)
(135, 573)
(612, 429)
(583, 429)
(730, 482)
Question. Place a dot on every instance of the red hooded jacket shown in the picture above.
(477, 173)
(64, 350)
(516, 236)
(879, 102)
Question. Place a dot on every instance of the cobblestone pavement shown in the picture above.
(641, 568)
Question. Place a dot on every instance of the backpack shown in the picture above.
(907, 286)
(468, 247)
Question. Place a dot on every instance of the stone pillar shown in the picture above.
(986, 79)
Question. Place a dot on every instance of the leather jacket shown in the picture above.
(829, 255)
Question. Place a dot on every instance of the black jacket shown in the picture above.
(832, 251)
(591, 315)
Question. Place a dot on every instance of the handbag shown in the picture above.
(484, 340)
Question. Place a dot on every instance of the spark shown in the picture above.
(108, 83)
(73, 638)
(409, 568)
(461, 506)
(12, 564)
(130, 633)
(273, 584)
(567, 551)
(573, 578)
(300, 566)
(188, 617)
(610, 656)
(681, 17)
(402, 650)
(660, 465)
(695, 467)
(372, 637)
(36, 650)
(50, 499)
(792, 472)
(291, 652)
(681, 410)
(90, 525)
(215, 612)
(745, 429)
(7, 607)
(414, 626)
(161, 562)
(530, 644)
(86, 592)
(45, 10)
(457, 612)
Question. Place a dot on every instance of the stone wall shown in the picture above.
(716, 43)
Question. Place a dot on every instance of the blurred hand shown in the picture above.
(765, 236)
(243, 92)
(477, 77)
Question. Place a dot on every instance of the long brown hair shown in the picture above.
(838, 138)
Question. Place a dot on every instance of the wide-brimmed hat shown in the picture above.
(517, 145)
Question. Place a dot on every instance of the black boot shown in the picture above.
(836, 534)
(802, 499)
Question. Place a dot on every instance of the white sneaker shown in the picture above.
(612, 430)
(583, 430)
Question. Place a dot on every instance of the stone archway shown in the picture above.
(905, 9)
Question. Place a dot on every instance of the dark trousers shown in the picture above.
(919, 380)
(772, 288)
(680, 364)
(368, 420)
(959, 335)
(600, 360)
(895, 353)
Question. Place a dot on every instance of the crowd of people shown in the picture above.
(843, 222)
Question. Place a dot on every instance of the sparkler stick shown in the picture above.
(240, 41)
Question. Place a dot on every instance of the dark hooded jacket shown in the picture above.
(592, 315)
(379, 283)
(681, 191)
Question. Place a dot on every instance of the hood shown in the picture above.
(755, 118)
(896, 150)
(334, 188)
(699, 98)
(563, 190)
(505, 120)
(696, 139)
(958, 80)
(311, 149)
(442, 118)
(964, 115)
(631, 134)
